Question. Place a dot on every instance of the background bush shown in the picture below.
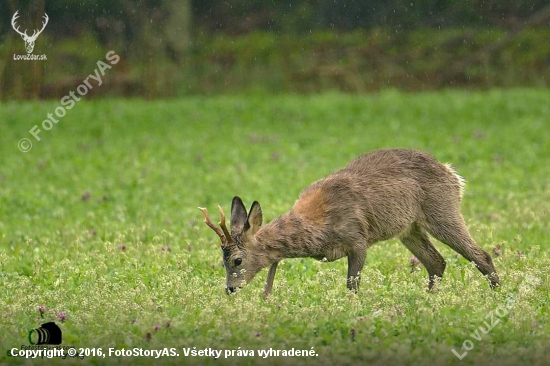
(186, 47)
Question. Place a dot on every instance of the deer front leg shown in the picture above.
(356, 261)
(270, 279)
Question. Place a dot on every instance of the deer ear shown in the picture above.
(238, 215)
(254, 220)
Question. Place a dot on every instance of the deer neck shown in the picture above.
(288, 236)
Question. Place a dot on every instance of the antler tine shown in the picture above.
(223, 226)
(46, 18)
(37, 32)
(211, 225)
(15, 26)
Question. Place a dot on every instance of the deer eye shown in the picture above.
(238, 261)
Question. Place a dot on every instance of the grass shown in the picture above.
(99, 221)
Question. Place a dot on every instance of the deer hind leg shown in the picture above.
(417, 241)
(452, 231)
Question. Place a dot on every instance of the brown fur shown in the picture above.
(312, 206)
(377, 196)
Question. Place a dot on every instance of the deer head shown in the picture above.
(241, 256)
(29, 40)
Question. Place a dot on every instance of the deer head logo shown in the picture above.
(29, 40)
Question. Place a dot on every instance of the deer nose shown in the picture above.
(230, 290)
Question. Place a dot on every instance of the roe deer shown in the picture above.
(379, 195)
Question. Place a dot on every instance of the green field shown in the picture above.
(99, 222)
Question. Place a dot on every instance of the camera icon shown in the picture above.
(48, 333)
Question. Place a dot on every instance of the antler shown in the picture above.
(35, 34)
(222, 224)
(223, 233)
(13, 19)
(24, 34)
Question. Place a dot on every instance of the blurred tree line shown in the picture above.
(299, 16)
(170, 48)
